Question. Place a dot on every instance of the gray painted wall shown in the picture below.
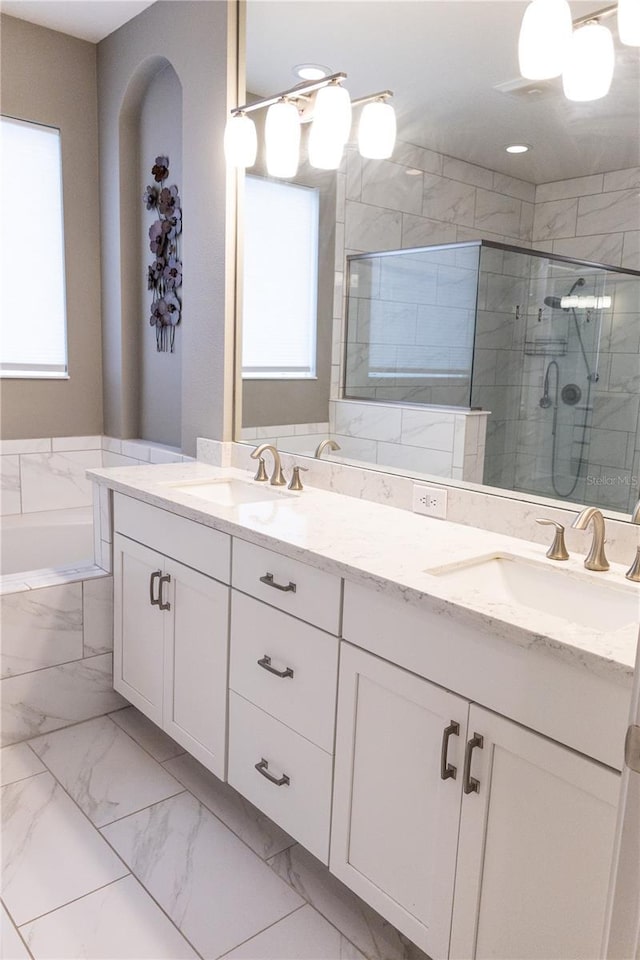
(50, 78)
(195, 37)
(159, 398)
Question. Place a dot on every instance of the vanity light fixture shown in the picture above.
(517, 148)
(590, 62)
(585, 302)
(282, 139)
(581, 50)
(327, 105)
(629, 22)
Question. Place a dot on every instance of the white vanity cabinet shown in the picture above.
(509, 858)
(171, 627)
(283, 679)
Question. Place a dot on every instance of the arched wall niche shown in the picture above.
(150, 124)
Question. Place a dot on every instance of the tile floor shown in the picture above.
(117, 845)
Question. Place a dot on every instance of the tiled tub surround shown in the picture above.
(56, 657)
(49, 473)
(90, 866)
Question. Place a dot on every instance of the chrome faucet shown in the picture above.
(633, 573)
(596, 559)
(277, 477)
(330, 444)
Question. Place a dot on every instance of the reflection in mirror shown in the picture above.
(445, 344)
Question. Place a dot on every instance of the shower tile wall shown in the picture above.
(598, 218)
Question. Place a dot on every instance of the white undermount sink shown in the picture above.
(581, 599)
(229, 493)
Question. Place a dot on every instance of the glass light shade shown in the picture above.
(377, 130)
(544, 38)
(240, 141)
(282, 139)
(325, 152)
(629, 22)
(332, 111)
(589, 69)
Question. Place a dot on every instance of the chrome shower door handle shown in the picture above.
(161, 603)
(447, 770)
(469, 783)
(153, 579)
(263, 770)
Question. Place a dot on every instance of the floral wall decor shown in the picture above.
(164, 276)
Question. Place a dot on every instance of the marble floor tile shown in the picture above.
(216, 890)
(118, 922)
(303, 935)
(154, 740)
(41, 628)
(365, 928)
(17, 763)
(107, 774)
(11, 945)
(259, 832)
(50, 853)
(45, 700)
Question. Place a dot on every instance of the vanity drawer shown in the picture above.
(305, 701)
(292, 586)
(302, 806)
(193, 544)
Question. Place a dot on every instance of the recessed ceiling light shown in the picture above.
(517, 148)
(311, 71)
(413, 172)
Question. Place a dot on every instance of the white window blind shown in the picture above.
(280, 289)
(33, 341)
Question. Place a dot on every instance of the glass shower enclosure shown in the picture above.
(549, 346)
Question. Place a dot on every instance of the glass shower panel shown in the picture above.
(410, 325)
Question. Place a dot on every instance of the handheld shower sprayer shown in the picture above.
(556, 302)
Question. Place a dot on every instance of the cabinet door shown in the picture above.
(395, 819)
(196, 657)
(138, 626)
(535, 848)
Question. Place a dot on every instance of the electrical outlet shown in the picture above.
(431, 501)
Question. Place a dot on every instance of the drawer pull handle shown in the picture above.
(164, 606)
(263, 770)
(265, 663)
(470, 784)
(447, 770)
(270, 582)
(153, 600)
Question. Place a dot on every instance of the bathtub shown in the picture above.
(51, 539)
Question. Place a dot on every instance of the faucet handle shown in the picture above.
(558, 549)
(261, 473)
(296, 482)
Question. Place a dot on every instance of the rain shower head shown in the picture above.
(556, 302)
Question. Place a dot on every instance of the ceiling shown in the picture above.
(444, 59)
(87, 19)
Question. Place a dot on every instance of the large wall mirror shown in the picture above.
(455, 312)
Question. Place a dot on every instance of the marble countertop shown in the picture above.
(391, 551)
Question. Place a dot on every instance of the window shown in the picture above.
(33, 341)
(280, 280)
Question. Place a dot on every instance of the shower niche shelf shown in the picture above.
(545, 347)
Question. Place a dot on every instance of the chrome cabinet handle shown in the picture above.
(265, 663)
(469, 783)
(153, 600)
(263, 770)
(164, 579)
(270, 582)
(447, 770)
